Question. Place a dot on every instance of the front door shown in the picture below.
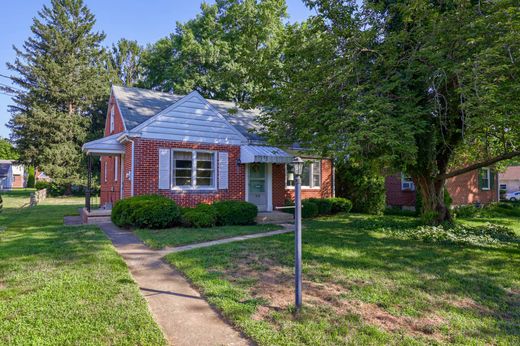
(258, 185)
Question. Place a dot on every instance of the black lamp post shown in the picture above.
(298, 170)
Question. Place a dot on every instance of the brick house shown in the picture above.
(478, 186)
(509, 180)
(195, 150)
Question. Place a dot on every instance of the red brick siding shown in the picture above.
(17, 181)
(464, 189)
(278, 183)
(395, 196)
(146, 174)
(118, 119)
(325, 191)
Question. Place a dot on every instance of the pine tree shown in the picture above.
(63, 80)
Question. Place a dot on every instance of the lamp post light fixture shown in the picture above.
(298, 170)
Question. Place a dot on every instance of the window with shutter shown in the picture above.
(116, 168)
(164, 169)
(485, 178)
(112, 114)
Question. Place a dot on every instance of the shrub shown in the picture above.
(465, 211)
(149, 211)
(203, 215)
(324, 205)
(30, 177)
(309, 209)
(400, 212)
(340, 205)
(235, 212)
(40, 185)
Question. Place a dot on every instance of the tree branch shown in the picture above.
(477, 165)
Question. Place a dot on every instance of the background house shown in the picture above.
(12, 175)
(478, 186)
(509, 180)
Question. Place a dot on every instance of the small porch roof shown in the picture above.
(263, 154)
(104, 146)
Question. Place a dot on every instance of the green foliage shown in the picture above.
(30, 177)
(459, 234)
(340, 205)
(362, 184)
(62, 88)
(309, 209)
(235, 212)
(382, 80)
(465, 211)
(224, 53)
(1, 203)
(125, 63)
(400, 212)
(324, 205)
(148, 211)
(203, 215)
(7, 151)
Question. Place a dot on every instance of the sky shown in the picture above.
(144, 21)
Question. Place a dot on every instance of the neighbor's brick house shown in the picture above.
(195, 150)
(478, 186)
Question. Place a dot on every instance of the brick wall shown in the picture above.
(464, 189)
(395, 196)
(325, 190)
(147, 172)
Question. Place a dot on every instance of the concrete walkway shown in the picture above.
(183, 315)
(286, 229)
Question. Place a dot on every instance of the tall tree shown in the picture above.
(62, 81)
(7, 151)
(426, 87)
(222, 53)
(125, 62)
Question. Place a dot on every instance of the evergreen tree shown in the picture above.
(63, 82)
(430, 88)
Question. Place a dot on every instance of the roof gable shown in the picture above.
(191, 119)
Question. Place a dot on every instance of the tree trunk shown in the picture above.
(434, 210)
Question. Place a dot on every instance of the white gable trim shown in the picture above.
(180, 103)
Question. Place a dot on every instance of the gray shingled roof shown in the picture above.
(138, 105)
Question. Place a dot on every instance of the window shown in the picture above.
(311, 175)
(112, 114)
(485, 178)
(503, 186)
(407, 183)
(105, 171)
(116, 167)
(193, 169)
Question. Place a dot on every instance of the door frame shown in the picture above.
(268, 185)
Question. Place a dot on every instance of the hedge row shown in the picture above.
(313, 207)
(154, 211)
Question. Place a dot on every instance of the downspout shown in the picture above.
(333, 179)
(132, 168)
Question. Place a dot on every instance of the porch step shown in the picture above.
(95, 216)
(274, 217)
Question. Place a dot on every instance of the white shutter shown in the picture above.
(223, 170)
(164, 168)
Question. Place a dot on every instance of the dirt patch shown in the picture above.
(470, 304)
(274, 283)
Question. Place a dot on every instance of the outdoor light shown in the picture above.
(298, 170)
(298, 165)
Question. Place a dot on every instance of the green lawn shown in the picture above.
(65, 285)
(158, 239)
(362, 285)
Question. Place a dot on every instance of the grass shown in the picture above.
(364, 286)
(65, 285)
(158, 239)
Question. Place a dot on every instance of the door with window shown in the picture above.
(257, 184)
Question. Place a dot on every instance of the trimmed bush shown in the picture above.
(324, 205)
(235, 212)
(465, 211)
(309, 209)
(340, 205)
(149, 211)
(203, 215)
